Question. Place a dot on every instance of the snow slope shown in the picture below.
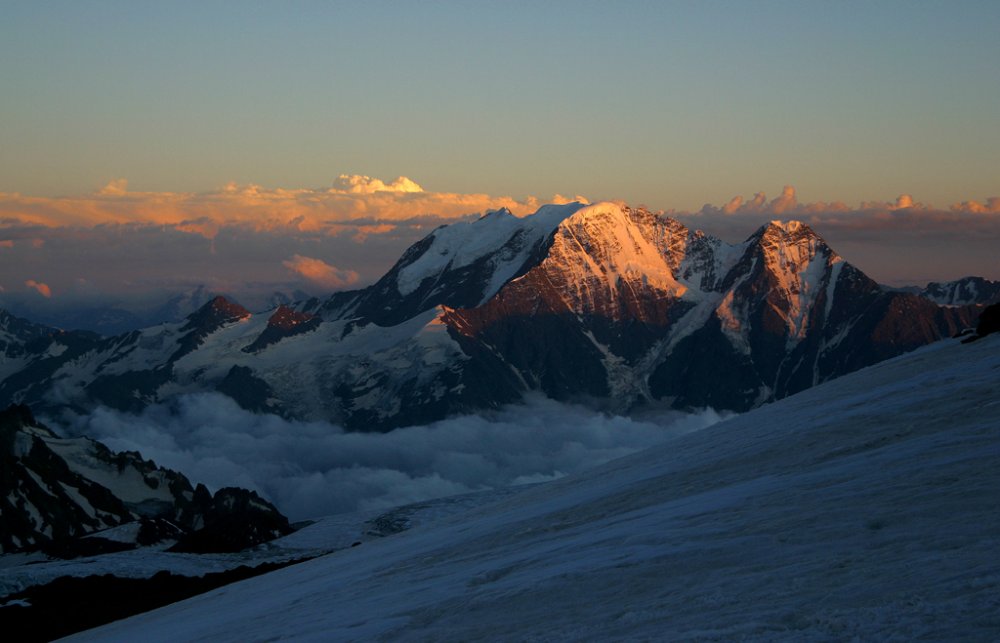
(867, 507)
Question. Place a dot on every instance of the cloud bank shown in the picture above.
(316, 469)
(899, 242)
(350, 199)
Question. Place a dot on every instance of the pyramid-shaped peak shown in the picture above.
(216, 312)
(222, 305)
(791, 230)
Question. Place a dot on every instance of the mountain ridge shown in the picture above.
(604, 302)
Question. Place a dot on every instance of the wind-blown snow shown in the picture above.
(865, 508)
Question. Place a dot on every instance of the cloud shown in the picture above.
(901, 241)
(239, 240)
(311, 469)
(320, 272)
(39, 287)
(236, 240)
(358, 184)
(116, 187)
(992, 206)
(349, 198)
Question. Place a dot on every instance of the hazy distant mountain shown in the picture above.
(962, 292)
(124, 315)
(603, 303)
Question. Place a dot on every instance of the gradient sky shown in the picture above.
(150, 147)
(671, 104)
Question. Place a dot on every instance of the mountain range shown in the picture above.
(604, 304)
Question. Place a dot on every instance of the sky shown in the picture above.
(303, 145)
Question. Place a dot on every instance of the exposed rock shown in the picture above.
(56, 491)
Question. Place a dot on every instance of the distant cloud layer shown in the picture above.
(316, 469)
(250, 242)
(351, 199)
(900, 241)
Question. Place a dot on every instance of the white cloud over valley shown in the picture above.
(311, 469)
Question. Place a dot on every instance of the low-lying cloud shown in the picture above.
(311, 469)
(321, 273)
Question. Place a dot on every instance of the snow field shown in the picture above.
(865, 508)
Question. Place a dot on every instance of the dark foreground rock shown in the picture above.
(74, 497)
(68, 604)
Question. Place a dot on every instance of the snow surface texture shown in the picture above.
(865, 508)
(20, 571)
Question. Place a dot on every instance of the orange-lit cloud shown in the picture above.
(351, 199)
(992, 206)
(901, 241)
(247, 240)
(321, 273)
(358, 184)
(39, 287)
(866, 214)
(116, 187)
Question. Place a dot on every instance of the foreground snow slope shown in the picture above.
(868, 506)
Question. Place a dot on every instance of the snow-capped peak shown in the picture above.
(607, 246)
(499, 237)
(802, 267)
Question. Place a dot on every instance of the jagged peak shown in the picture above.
(792, 226)
(787, 232)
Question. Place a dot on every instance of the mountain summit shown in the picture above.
(602, 303)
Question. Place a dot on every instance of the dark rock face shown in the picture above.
(205, 321)
(42, 500)
(69, 604)
(234, 519)
(989, 321)
(285, 322)
(249, 391)
(54, 491)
